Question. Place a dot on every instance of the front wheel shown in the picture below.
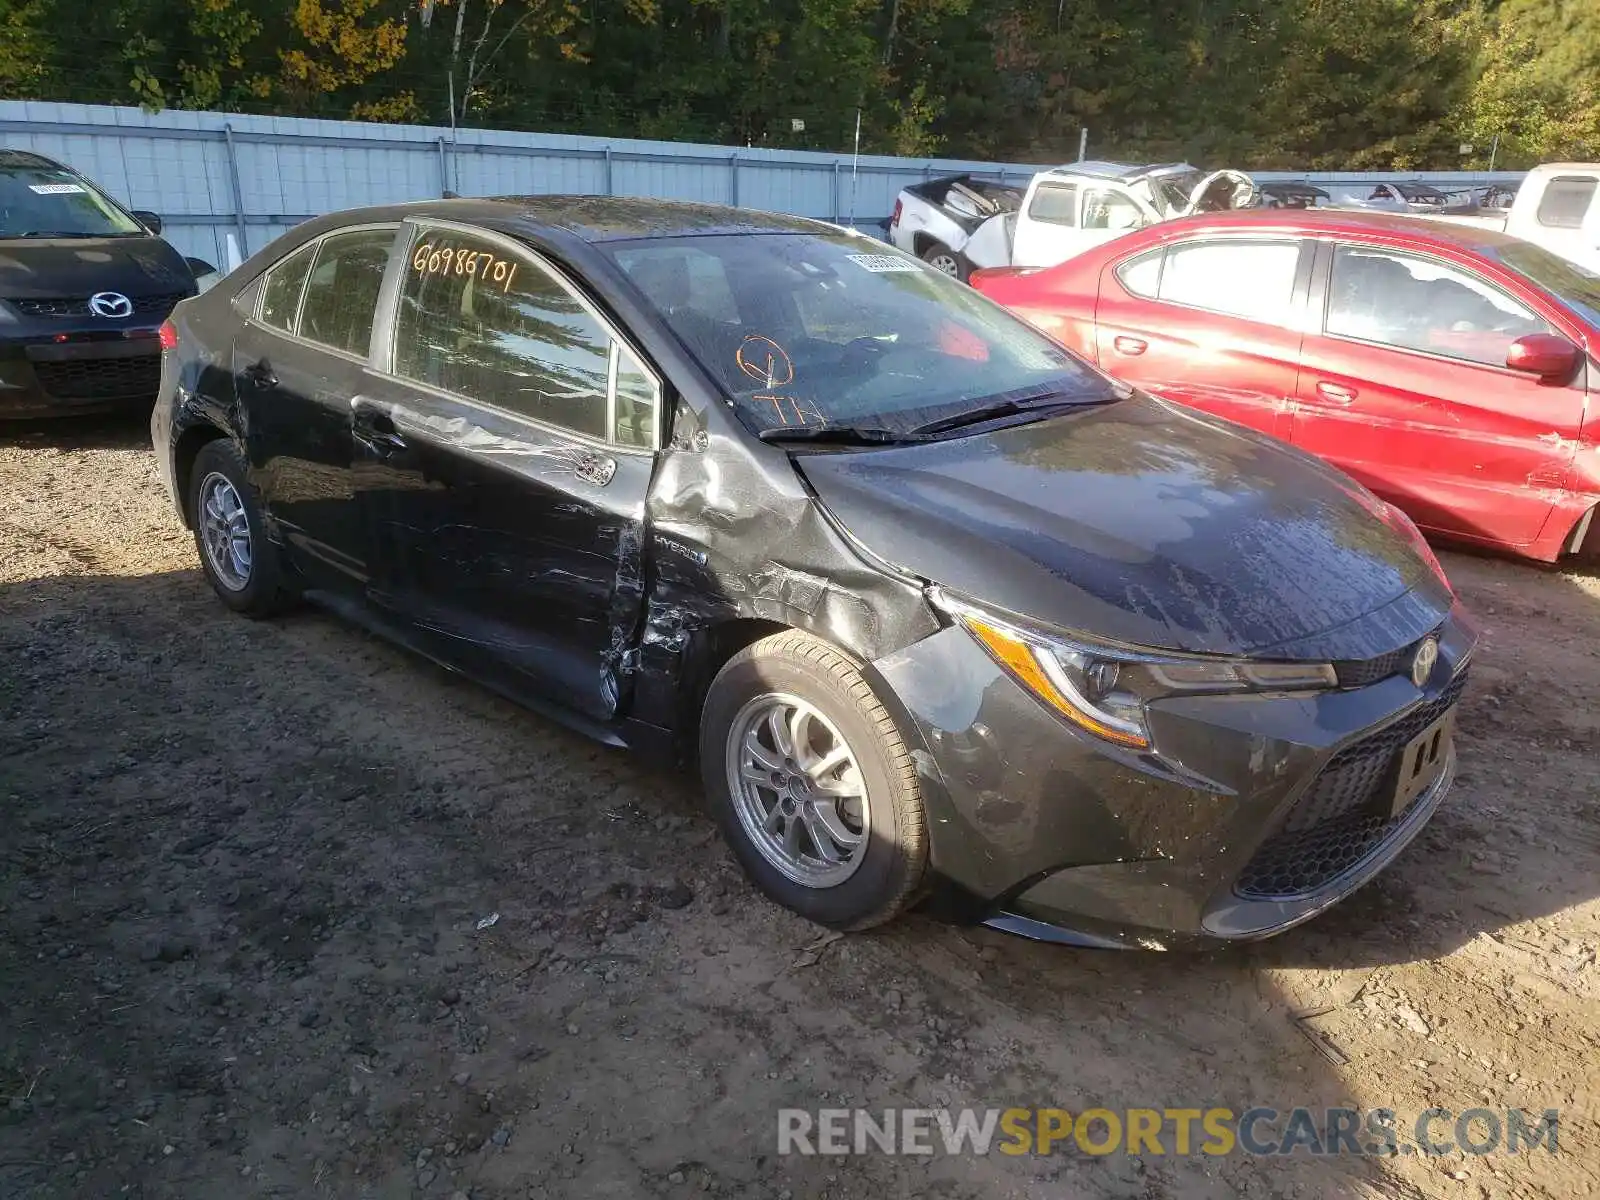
(941, 258)
(812, 783)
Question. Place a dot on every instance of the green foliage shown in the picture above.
(1254, 83)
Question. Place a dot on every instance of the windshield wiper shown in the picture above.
(54, 233)
(859, 435)
(1006, 408)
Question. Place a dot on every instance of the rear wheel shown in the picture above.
(941, 258)
(240, 562)
(812, 784)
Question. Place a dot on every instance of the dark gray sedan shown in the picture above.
(942, 613)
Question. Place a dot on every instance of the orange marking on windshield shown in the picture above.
(763, 360)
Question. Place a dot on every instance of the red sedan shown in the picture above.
(1448, 368)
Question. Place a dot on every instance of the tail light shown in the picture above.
(168, 335)
(899, 204)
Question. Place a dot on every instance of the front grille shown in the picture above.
(101, 378)
(160, 304)
(1354, 673)
(1333, 827)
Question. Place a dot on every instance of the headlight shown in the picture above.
(1103, 689)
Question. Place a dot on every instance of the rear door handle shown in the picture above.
(1335, 393)
(1131, 346)
(260, 373)
(375, 430)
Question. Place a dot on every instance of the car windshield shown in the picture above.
(45, 201)
(1578, 288)
(835, 330)
(1173, 192)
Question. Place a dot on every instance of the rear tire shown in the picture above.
(829, 824)
(240, 562)
(941, 258)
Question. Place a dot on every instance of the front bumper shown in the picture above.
(1253, 814)
(70, 371)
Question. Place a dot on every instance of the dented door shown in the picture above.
(509, 445)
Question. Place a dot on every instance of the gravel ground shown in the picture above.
(243, 865)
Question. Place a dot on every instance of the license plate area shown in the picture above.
(1420, 762)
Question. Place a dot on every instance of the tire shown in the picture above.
(941, 258)
(873, 793)
(251, 584)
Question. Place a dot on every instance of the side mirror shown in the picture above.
(1547, 355)
(199, 267)
(148, 219)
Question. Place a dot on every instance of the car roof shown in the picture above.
(25, 158)
(1117, 170)
(1343, 221)
(594, 218)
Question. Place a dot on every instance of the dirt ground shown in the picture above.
(242, 867)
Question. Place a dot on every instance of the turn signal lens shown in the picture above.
(168, 335)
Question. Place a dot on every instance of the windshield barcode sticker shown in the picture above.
(883, 264)
(55, 189)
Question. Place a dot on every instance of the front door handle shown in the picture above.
(260, 373)
(375, 430)
(1131, 346)
(1335, 393)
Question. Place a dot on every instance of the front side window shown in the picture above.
(834, 329)
(1054, 204)
(342, 290)
(38, 201)
(1106, 209)
(1565, 202)
(491, 323)
(1416, 303)
(1249, 279)
(285, 283)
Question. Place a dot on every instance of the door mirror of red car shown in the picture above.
(1547, 355)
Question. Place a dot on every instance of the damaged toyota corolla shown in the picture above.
(943, 613)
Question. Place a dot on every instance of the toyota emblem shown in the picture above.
(1422, 664)
(110, 304)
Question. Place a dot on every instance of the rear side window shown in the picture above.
(1142, 275)
(494, 325)
(280, 296)
(342, 292)
(1565, 202)
(1254, 280)
(1055, 204)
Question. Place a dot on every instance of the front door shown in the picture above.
(298, 360)
(510, 443)
(1405, 387)
(1213, 323)
(1061, 219)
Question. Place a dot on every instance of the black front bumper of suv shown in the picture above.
(56, 360)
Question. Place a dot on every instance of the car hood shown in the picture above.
(1143, 523)
(66, 268)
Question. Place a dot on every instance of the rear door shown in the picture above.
(1213, 323)
(511, 434)
(1404, 385)
(298, 359)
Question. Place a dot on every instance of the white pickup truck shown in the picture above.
(1557, 207)
(960, 223)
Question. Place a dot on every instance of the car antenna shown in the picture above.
(855, 158)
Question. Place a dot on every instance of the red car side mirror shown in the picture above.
(1546, 355)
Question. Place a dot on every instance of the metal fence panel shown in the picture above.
(216, 175)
